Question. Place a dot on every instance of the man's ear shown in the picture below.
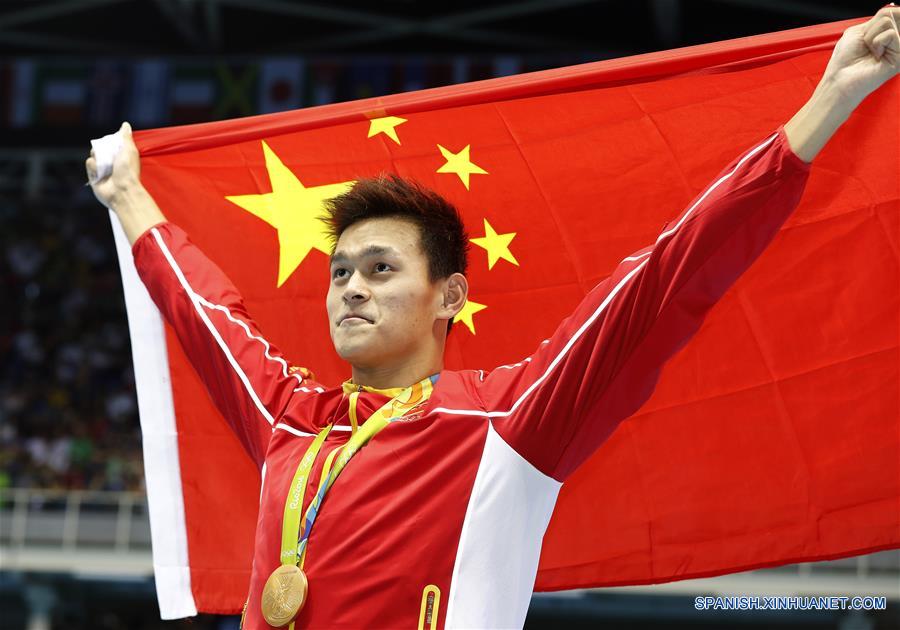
(455, 292)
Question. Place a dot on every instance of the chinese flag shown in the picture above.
(771, 438)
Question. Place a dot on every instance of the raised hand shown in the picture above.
(866, 56)
(126, 172)
(122, 192)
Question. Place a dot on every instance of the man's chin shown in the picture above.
(356, 354)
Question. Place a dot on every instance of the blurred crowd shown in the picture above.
(68, 411)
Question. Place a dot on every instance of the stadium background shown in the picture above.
(74, 533)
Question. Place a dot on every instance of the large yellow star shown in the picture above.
(292, 209)
(460, 164)
(386, 125)
(468, 310)
(497, 245)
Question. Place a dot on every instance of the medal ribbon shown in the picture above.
(292, 506)
(293, 550)
(393, 410)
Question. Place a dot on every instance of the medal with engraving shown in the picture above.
(284, 595)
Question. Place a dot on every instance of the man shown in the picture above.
(446, 480)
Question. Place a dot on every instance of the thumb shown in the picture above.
(126, 127)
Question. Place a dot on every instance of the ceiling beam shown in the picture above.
(318, 12)
(385, 27)
(63, 44)
(179, 16)
(505, 11)
(814, 10)
(213, 14)
(47, 11)
(666, 16)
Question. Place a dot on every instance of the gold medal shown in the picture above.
(284, 595)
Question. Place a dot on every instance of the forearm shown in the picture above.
(120, 188)
(814, 124)
(246, 376)
(864, 58)
(137, 211)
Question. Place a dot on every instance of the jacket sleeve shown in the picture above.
(248, 379)
(556, 407)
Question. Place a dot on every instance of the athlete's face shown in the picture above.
(380, 273)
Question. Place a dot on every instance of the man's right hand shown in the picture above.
(125, 176)
(122, 191)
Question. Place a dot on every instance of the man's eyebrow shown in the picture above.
(371, 250)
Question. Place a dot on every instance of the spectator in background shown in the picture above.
(68, 413)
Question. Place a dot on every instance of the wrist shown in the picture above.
(137, 211)
(128, 197)
(813, 126)
(833, 100)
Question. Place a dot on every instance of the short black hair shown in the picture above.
(442, 233)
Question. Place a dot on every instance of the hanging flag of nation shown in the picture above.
(771, 438)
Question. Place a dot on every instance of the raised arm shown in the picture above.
(122, 191)
(865, 57)
(248, 379)
(556, 407)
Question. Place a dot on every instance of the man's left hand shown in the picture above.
(865, 57)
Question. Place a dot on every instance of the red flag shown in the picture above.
(771, 438)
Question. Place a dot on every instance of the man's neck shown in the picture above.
(399, 376)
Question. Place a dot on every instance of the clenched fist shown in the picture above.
(125, 176)
(122, 192)
(866, 56)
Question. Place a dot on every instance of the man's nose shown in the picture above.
(355, 290)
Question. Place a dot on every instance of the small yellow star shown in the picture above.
(386, 125)
(468, 310)
(460, 164)
(293, 210)
(497, 245)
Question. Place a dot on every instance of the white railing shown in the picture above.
(74, 519)
(109, 532)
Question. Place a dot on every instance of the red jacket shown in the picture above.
(455, 501)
